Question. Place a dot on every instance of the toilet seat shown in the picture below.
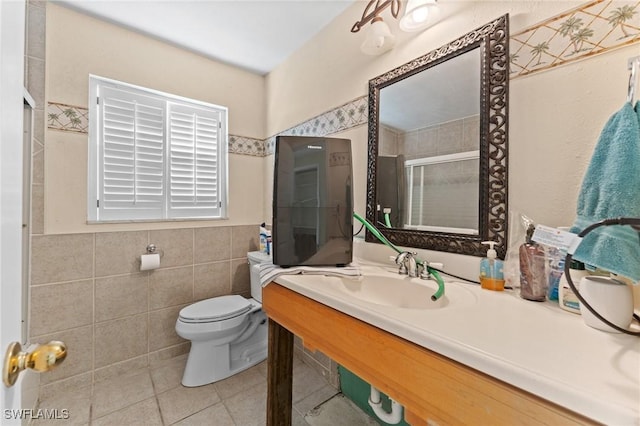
(215, 309)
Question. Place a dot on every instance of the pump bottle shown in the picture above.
(491, 270)
(567, 298)
(533, 279)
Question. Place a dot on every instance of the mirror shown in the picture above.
(437, 167)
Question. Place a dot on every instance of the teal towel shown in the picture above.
(611, 189)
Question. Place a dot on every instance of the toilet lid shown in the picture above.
(215, 309)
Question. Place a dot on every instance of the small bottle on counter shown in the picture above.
(533, 278)
(491, 270)
(556, 270)
(269, 242)
(263, 237)
(567, 299)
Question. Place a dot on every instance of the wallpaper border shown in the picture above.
(74, 119)
(593, 28)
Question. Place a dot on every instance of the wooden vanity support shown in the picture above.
(433, 389)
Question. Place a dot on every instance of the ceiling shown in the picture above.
(256, 35)
(440, 94)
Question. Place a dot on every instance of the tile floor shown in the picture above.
(154, 396)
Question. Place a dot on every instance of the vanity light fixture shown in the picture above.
(418, 15)
(379, 38)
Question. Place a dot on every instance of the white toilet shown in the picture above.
(228, 333)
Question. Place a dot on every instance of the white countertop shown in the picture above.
(537, 347)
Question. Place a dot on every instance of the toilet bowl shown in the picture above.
(228, 334)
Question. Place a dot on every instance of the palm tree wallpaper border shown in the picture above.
(590, 29)
(69, 118)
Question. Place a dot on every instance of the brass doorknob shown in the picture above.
(42, 358)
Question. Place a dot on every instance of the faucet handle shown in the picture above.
(403, 259)
(424, 272)
(400, 258)
(405, 255)
(403, 270)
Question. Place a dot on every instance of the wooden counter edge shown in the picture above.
(430, 386)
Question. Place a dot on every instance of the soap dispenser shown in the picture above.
(491, 270)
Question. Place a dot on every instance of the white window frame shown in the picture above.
(410, 166)
(209, 157)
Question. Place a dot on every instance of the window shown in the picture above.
(154, 156)
(433, 178)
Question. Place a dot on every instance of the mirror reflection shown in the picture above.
(429, 147)
(438, 133)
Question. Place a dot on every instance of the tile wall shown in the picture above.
(441, 139)
(35, 61)
(321, 363)
(87, 290)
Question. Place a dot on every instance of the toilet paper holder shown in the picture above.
(153, 249)
(151, 259)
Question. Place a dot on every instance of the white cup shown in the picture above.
(610, 298)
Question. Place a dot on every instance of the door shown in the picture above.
(12, 26)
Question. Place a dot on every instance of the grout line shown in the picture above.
(91, 409)
(62, 282)
(148, 284)
(193, 265)
(93, 326)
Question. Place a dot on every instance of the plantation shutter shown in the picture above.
(153, 155)
(194, 161)
(131, 170)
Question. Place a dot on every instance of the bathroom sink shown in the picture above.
(401, 291)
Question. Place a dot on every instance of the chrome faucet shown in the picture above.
(407, 263)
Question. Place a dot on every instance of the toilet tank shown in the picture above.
(256, 258)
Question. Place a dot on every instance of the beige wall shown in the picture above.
(78, 46)
(555, 116)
